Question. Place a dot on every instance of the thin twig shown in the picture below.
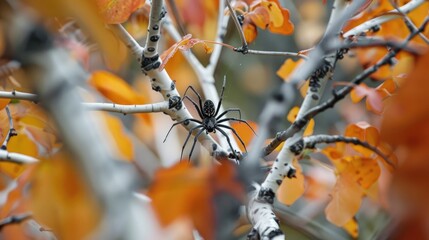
(19, 95)
(276, 53)
(244, 46)
(177, 18)
(312, 141)
(409, 22)
(12, 132)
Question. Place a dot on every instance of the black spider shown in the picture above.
(210, 121)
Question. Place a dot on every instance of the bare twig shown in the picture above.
(19, 95)
(244, 46)
(16, 158)
(276, 53)
(312, 141)
(12, 132)
(222, 23)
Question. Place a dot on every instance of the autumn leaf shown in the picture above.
(118, 11)
(250, 31)
(193, 190)
(345, 202)
(291, 189)
(114, 88)
(287, 68)
(186, 43)
(122, 141)
(60, 198)
(246, 134)
(352, 228)
(366, 133)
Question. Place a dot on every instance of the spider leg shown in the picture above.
(187, 138)
(236, 134)
(198, 95)
(195, 141)
(175, 124)
(229, 142)
(230, 110)
(237, 120)
(221, 96)
(195, 105)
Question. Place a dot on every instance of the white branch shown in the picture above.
(19, 95)
(16, 157)
(385, 18)
(126, 109)
(222, 23)
(128, 40)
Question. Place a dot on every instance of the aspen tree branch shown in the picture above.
(161, 81)
(407, 8)
(282, 166)
(206, 80)
(11, 133)
(14, 219)
(276, 53)
(127, 109)
(18, 158)
(300, 122)
(222, 24)
(312, 141)
(19, 95)
(54, 74)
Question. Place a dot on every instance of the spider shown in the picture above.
(210, 120)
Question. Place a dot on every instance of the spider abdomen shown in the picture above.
(209, 108)
(209, 124)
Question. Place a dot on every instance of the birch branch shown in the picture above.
(18, 158)
(407, 8)
(161, 81)
(222, 24)
(301, 121)
(19, 95)
(206, 80)
(282, 166)
(54, 74)
(127, 109)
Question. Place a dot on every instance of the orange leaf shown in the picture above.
(345, 202)
(273, 9)
(291, 189)
(287, 68)
(186, 43)
(250, 31)
(285, 27)
(260, 16)
(364, 132)
(193, 190)
(3, 103)
(122, 141)
(245, 133)
(364, 171)
(114, 88)
(118, 11)
(60, 198)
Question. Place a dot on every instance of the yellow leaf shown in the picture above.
(291, 189)
(352, 228)
(276, 16)
(114, 88)
(122, 141)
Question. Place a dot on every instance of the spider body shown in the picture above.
(210, 120)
